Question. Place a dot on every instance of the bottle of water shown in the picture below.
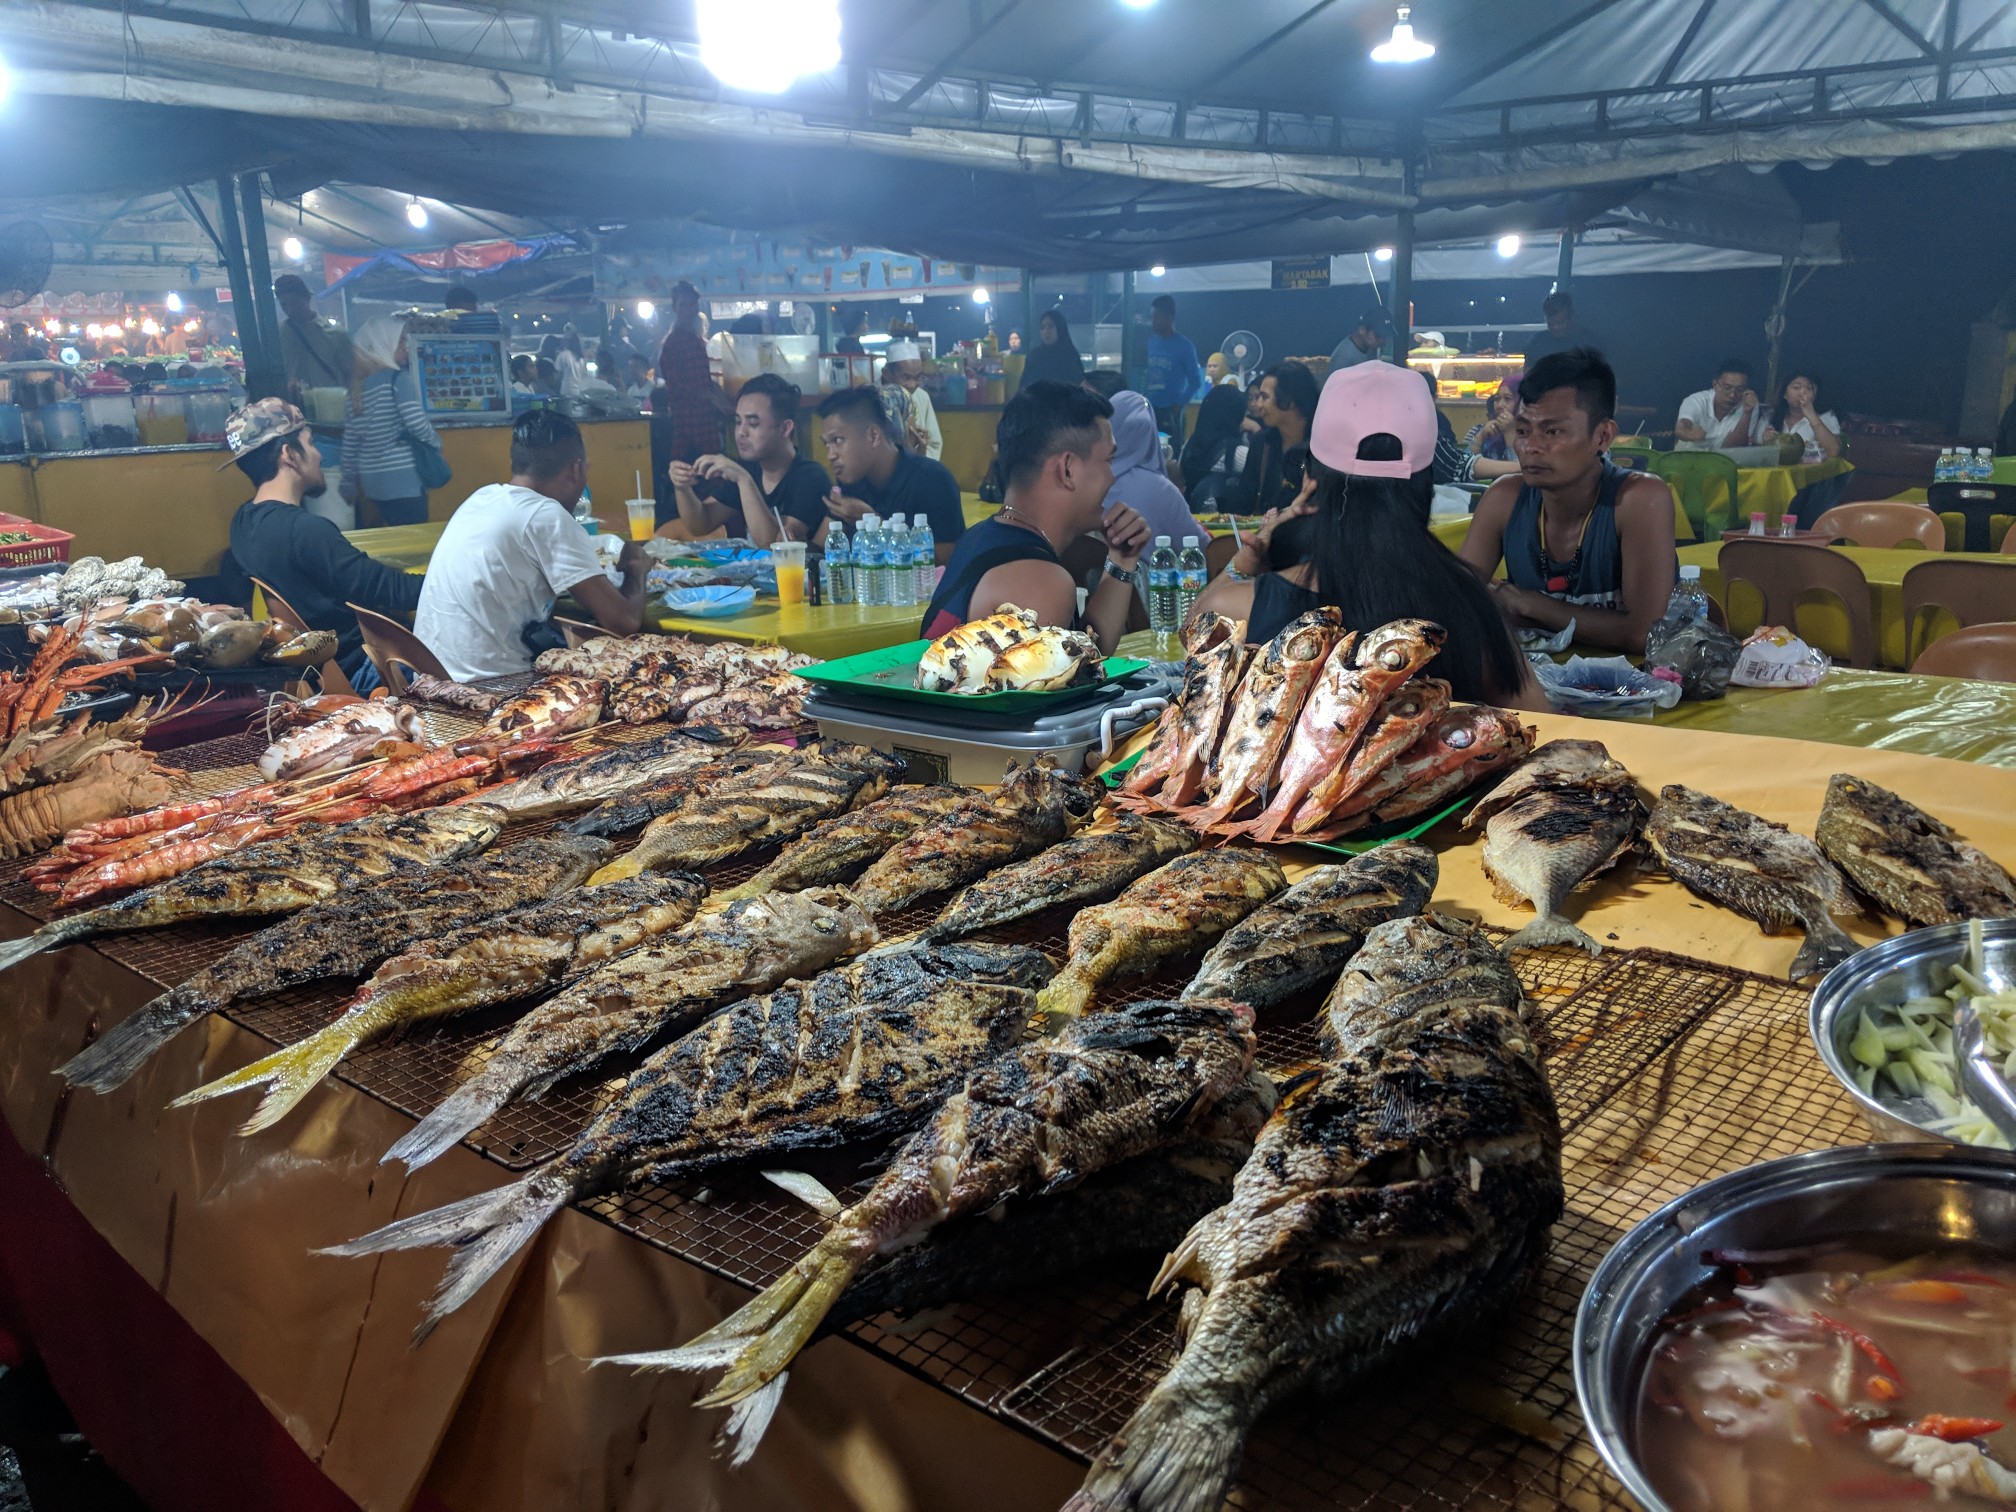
(924, 553)
(870, 562)
(902, 565)
(1162, 575)
(1942, 470)
(836, 569)
(1689, 604)
(584, 514)
(1190, 571)
(1984, 465)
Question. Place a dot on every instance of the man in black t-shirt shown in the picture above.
(765, 482)
(877, 476)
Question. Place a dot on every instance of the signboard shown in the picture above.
(774, 268)
(462, 375)
(1301, 272)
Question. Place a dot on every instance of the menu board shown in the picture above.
(462, 375)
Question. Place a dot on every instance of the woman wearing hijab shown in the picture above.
(1207, 462)
(1138, 479)
(1055, 359)
(385, 423)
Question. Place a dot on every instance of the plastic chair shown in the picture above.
(2009, 541)
(577, 632)
(1782, 572)
(1974, 593)
(1694, 478)
(329, 673)
(397, 653)
(1976, 504)
(1884, 523)
(1636, 453)
(1218, 554)
(1986, 653)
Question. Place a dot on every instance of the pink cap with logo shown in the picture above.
(1371, 399)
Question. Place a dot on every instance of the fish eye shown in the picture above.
(1462, 739)
(1393, 659)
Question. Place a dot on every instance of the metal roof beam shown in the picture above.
(1994, 19)
(979, 29)
(1265, 44)
(1884, 9)
(1672, 64)
(1526, 49)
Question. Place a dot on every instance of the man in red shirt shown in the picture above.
(694, 402)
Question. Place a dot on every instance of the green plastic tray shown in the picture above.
(1357, 845)
(892, 673)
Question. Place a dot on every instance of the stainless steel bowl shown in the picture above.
(1912, 1196)
(1907, 966)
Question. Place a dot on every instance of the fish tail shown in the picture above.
(112, 1060)
(818, 1281)
(1177, 1453)
(289, 1074)
(748, 1420)
(1550, 929)
(1825, 948)
(48, 937)
(466, 1109)
(485, 1231)
(1067, 997)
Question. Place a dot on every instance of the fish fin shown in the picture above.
(749, 1420)
(1175, 1453)
(128, 1046)
(289, 1074)
(816, 1283)
(1825, 947)
(48, 937)
(1177, 1263)
(809, 1190)
(1550, 929)
(620, 870)
(1064, 999)
(464, 1111)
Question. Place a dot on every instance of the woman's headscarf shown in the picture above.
(1138, 479)
(1057, 361)
(376, 344)
(1218, 420)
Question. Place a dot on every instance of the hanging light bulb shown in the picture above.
(292, 249)
(174, 303)
(1383, 254)
(416, 215)
(1508, 245)
(766, 49)
(1403, 46)
(980, 295)
(1157, 271)
(646, 310)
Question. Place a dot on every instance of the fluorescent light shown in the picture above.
(1403, 46)
(646, 310)
(293, 249)
(1157, 271)
(1383, 254)
(1508, 245)
(174, 303)
(766, 49)
(981, 296)
(416, 215)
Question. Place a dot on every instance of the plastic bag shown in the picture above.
(1702, 654)
(1601, 686)
(1773, 657)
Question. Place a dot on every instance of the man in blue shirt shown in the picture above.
(1174, 374)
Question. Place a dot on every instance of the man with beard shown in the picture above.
(302, 556)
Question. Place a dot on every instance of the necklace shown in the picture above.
(1557, 575)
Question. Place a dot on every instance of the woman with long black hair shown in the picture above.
(1357, 537)
(1207, 460)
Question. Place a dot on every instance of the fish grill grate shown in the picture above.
(1668, 1071)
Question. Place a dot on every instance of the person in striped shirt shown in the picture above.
(385, 422)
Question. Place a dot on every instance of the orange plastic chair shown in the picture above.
(277, 608)
(1884, 523)
(1783, 572)
(397, 653)
(1986, 653)
(1972, 590)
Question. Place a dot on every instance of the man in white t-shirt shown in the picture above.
(1723, 416)
(512, 549)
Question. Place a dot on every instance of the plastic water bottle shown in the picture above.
(902, 565)
(871, 562)
(1984, 465)
(1942, 470)
(924, 553)
(1689, 604)
(1162, 589)
(584, 514)
(836, 569)
(1190, 571)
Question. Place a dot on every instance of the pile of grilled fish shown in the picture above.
(1008, 651)
(1317, 734)
(1401, 1191)
(556, 705)
(861, 1052)
(1089, 866)
(568, 787)
(669, 677)
(1569, 812)
(1107, 1089)
(836, 849)
(1908, 863)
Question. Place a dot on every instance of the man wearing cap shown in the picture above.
(905, 368)
(1364, 343)
(315, 352)
(302, 556)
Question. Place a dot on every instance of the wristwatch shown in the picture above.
(1127, 575)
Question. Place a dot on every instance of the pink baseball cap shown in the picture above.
(1370, 399)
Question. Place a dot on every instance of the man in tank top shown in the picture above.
(1580, 540)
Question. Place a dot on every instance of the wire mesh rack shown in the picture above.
(1667, 1071)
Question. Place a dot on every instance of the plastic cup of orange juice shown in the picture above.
(790, 559)
(643, 518)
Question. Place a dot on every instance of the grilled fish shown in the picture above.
(1396, 1195)
(1043, 1117)
(511, 956)
(1759, 869)
(1035, 806)
(556, 705)
(835, 849)
(1912, 864)
(1303, 937)
(570, 786)
(853, 1054)
(1463, 746)
(1175, 910)
(1350, 692)
(279, 876)
(1411, 971)
(1079, 870)
(1407, 714)
(753, 946)
(344, 935)
(1171, 770)
(762, 805)
(668, 795)
(1570, 812)
(1263, 715)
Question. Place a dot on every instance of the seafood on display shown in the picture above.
(342, 936)
(1008, 651)
(1034, 806)
(58, 774)
(1913, 865)
(342, 739)
(1303, 937)
(867, 1050)
(280, 876)
(659, 989)
(667, 795)
(1088, 866)
(1176, 910)
(1570, 812)
(36, 692)
(835, 849)
(567, 787)
(1761, 870)
(511, 955)
(1463, 746)
(1107, 1089)
(441, 693)
(669, 677)
(1263, 715)
(775, 702)
(778, 801)
(1172, 768)
(556, 705)
(1398, 1192)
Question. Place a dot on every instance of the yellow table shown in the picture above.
(1892, 711)
(407, 547)
(976, 508)
(1770, 489)
(827, 631)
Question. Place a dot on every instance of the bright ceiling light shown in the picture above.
(416, 215)
(1137, 4)
(646, 310)
(981, 296)
(765, 49)
(6, 81)
(1508, 245)
(149, 328)
(1383, 254)
(1157, 271)
(1403, 46)
(293, 249)
(174, 303)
